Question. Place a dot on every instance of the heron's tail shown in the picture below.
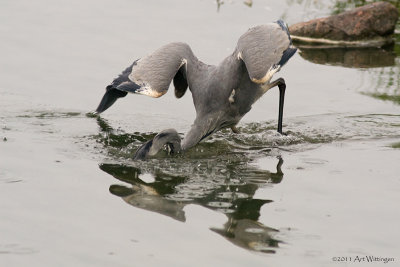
(169, 137)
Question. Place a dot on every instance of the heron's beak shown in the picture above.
(282, 88)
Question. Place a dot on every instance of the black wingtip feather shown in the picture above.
(284, 27)
(287, 54)
(109, 98)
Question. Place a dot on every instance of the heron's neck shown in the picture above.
(230, 71)
(232, 63)
(197, 72)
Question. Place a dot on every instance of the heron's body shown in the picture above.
(222, 94)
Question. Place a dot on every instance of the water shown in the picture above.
(72, 196)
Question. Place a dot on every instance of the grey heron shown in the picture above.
(222, 94)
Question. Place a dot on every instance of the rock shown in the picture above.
(369, 25)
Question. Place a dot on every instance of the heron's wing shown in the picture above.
(151, 75)
(155, 72)
(264, 49)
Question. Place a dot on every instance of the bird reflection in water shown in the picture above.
(219, 176)
(168, 194)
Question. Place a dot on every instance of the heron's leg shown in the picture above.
(280, 82)
(282, 88)
(277, 82)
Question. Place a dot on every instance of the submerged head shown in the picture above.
(169, 137)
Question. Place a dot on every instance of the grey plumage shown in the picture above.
(259, 60)
(222, 94)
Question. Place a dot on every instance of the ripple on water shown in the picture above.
(227, 159)
(16, 249)
(219, 204)
(396, 145)
(212, 155)
(50, 114)
(222, 170)
(232, 195)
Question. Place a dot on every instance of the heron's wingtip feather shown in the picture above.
(287, 54)
(284, 27)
